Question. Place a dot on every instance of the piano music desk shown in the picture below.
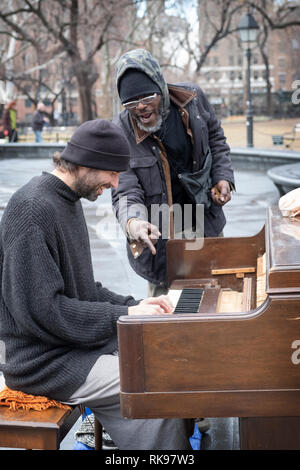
(241, 359)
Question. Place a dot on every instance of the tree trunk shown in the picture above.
(265, 58)
(85, 100)
(86, 76)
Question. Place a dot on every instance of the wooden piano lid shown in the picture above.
(283, 252)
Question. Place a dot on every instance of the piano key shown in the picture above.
(189, 301)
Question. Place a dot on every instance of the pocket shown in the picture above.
(148, 173)
(215, 210)
(198, 184)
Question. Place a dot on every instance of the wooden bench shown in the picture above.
(277, 139)
(292, 137)
(42, 430)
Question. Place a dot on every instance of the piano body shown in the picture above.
(239, 354)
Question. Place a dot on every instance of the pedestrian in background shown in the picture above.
(10, 122)
(38, 121)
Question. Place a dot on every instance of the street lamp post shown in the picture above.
(248, 29)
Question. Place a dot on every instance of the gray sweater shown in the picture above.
(55, 319)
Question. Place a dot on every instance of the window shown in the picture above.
(231, 60)
(282, 78)
(216, 60)
(281, 62)
(232, 75)
(295, 43)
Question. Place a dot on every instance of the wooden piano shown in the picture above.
(238, 353)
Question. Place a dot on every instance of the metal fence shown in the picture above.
(50, 134)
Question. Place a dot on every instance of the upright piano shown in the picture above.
(237, 354)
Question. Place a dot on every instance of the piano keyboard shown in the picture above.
(222, 300)
(188, 301)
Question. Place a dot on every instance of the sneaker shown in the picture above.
(203, 424)
(107, 442)
(80, 446)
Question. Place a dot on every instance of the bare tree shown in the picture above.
(217, 20)
(278, 15)
(262, 44)
(79, 28)
(273, 15)
(152, 30)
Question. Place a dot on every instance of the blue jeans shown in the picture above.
(38, 136)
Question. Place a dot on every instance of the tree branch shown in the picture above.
(287, 9)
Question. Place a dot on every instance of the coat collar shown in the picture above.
(178, 95)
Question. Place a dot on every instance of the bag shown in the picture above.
(198, 184)
(289, 204)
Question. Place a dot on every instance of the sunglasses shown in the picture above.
(145, 101)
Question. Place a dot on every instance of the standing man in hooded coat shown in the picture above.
(179, 156)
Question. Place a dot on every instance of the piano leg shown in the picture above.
(270, 433)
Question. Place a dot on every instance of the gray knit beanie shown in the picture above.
(98, 144)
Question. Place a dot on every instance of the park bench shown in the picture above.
(277, 139)
(40, 430)
(288, 138)
(292, 137)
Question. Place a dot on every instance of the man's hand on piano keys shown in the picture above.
(153, 306)
(220, 193)
(144, 232)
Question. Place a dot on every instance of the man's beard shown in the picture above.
(85, 191)
(156, 126)
(82, 189)
(150, 129)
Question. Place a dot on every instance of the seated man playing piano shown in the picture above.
(59, 325)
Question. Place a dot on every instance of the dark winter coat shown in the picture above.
(38, 120)
(144, 184)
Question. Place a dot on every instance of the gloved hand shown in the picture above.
(143, 232)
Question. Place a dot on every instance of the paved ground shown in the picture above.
(245, 216)
(234, 126)
(235, 131)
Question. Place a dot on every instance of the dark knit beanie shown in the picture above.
(135, 83)
(98, 144)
